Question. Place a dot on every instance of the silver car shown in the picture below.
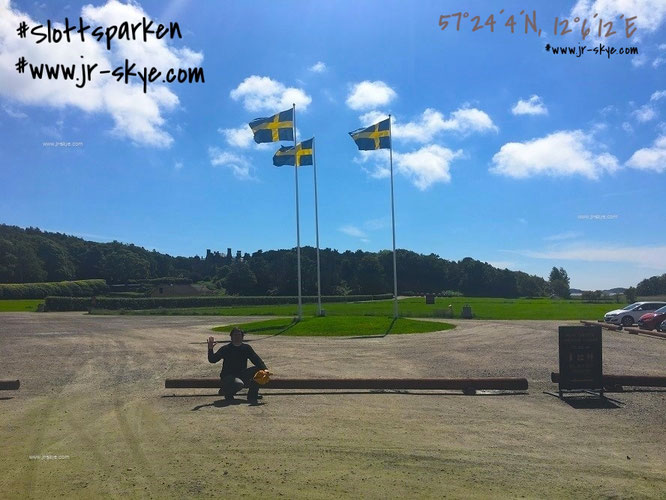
(629, 315)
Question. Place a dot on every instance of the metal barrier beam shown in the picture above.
(9, 385)
(508, 383)
(602, 325)
(630, 380)
(636, 331)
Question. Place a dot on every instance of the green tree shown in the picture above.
(8, 261)
(28, 268)
(240, 280)
(559, 282)
(57, 263)
(630, 294)
(121, 265)
(370, 275)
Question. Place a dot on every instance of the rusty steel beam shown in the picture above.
(9, 385)
(630, 380)
(514, 383)
(636, 331)
(602, 325)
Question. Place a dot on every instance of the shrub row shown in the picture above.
(116, 303)
(67, 303)
(163, 281)
(81, 288)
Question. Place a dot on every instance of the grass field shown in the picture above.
(482, 308)
(331, 326)
(29, 305)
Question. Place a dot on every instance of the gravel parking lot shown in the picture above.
(92, 417)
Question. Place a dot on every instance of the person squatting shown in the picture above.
(235, 373)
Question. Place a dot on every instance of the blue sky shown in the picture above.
(503, 151)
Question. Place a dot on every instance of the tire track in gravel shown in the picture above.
(42, 416)
(121, 372)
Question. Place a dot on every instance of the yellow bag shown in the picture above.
(262, 377)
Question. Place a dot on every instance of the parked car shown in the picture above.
(628, 315)
(650, 321)
(662, 327)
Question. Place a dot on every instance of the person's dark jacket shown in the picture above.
(235, 358)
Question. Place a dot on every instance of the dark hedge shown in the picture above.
(117, 303)
(82, 288)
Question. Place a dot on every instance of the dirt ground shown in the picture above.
(92, 417)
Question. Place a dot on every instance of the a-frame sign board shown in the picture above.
(581, 367)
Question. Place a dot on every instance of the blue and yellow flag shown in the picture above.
(274, 128)
(377, 136)
(298, 156)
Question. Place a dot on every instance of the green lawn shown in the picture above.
(339, 326)
(482, 308)
(30, 305)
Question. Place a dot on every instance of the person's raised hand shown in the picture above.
(211, 342)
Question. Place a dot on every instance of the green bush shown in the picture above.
(67, 303)
(81, 288)
(163, 281)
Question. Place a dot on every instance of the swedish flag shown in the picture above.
(274, 128)
(377, 136)
(299, 156)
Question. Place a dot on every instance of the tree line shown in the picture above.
(32, 255)
(656, 285)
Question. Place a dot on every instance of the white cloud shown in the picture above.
(533, 106)
(318, 67)
(653, 158)
(659, 94)
(559, 154)
(427, 166)
(351, 230)
(431, 122)
(423, 167)
(374, 116)
(626, 126)
(136, 115)
(650, 14)
(658, 61)
(261, 93)
(645, 113)
(567, 235)
(368, 95)
(610, 109)
(470, 120)
(178, 165)
(240, 137)
(152, 52)
(643, 256)
(13, 112)
(375, 224)
(238, 164)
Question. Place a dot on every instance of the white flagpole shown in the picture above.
(298, 230)
(395, 267)
(314, 164)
